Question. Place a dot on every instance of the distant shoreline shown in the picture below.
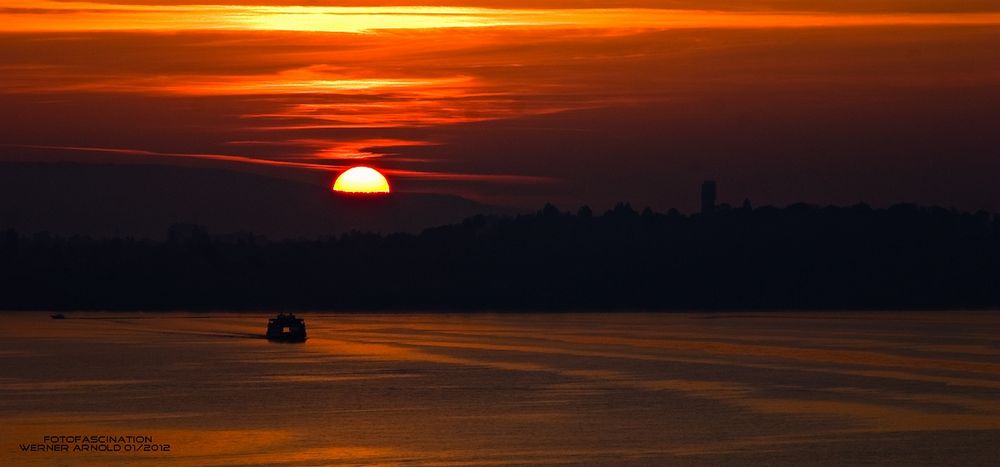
(801, 257)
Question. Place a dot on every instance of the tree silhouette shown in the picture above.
(799, 257)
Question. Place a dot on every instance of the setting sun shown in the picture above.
(361, 180)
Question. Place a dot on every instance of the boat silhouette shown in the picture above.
(286, 328)
(58, 316)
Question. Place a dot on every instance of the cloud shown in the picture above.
(44, 15)
(516, 98)
(326, 167)
(719, 5)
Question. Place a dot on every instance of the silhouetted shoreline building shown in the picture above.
(186, 233)
(708, 196)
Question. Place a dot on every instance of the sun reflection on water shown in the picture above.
(503, 388)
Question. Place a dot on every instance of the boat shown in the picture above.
(286, 328)
(58, 316)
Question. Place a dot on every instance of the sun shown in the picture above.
(361, 180)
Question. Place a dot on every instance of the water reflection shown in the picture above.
(485, 389)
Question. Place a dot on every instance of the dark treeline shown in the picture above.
(799, 257)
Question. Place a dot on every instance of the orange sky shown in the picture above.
(520, 100)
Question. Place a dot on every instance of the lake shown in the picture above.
(482, 389)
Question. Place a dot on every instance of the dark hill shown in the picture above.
(145, 200)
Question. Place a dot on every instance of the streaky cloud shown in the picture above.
(41, 15)
(414, 174)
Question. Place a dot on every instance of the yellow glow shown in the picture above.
(361, 180)
(48, 15)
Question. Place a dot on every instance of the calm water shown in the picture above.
(653, 389)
